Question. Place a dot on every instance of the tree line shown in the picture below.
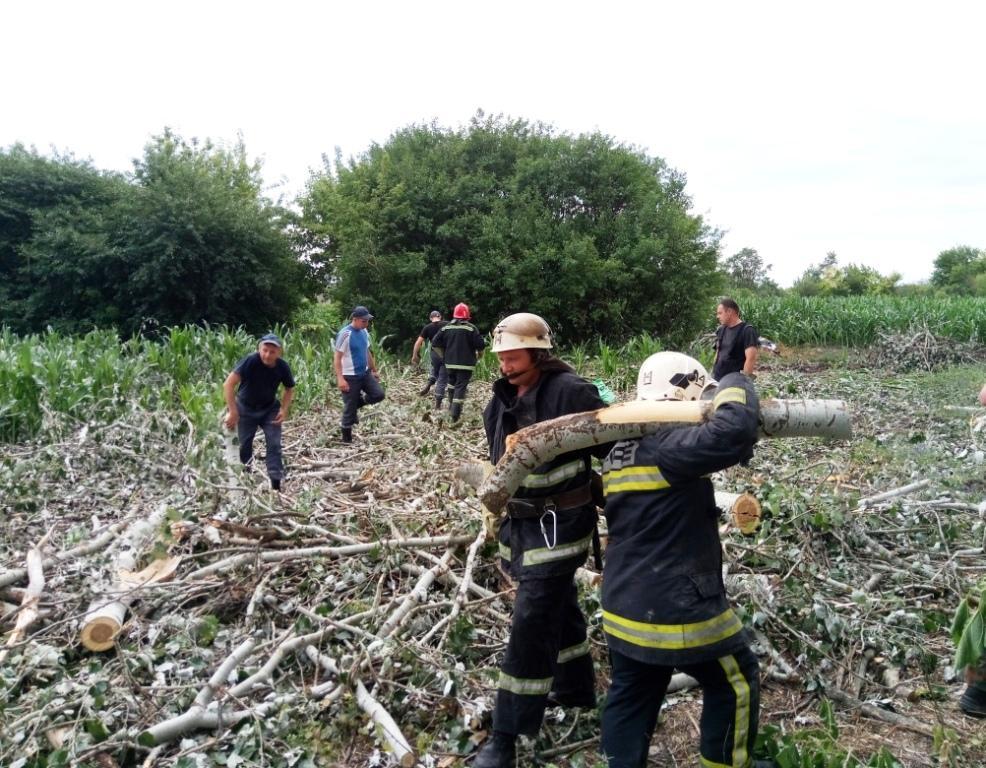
(504, 214)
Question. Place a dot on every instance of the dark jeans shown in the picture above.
(730, 708)
(246, 429)
(458, 381)
(363, 390)
(547, 651)
(438, 375)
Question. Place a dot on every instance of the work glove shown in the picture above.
(491, 523)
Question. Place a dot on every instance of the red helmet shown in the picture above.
(461, 311)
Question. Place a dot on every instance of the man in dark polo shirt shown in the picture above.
(251, 399)
(737, 344)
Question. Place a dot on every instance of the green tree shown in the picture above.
(187, 238)
(829, 279)
(507, 215)
(745, 270)
(961, 270)
(53, 239)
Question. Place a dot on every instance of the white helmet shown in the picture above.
(522, 330)
(671, 376)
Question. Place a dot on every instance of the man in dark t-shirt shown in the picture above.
(737, 344)
(439, 374)
(251, 399)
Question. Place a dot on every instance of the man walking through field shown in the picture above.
(356, 370)
(250, 391)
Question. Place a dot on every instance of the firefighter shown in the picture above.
(544, 538)
(664, 602)
(459, 344)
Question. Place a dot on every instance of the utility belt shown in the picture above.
(520, 509)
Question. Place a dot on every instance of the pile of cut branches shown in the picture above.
(357, 618)
(919, 349)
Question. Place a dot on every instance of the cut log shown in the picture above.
(539, 443)
(106, 614)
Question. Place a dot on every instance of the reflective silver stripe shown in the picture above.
(525, 687)
(729, 395)
(454, 367)
(560, 552)
(504, 551)
(554, 475)
(672, 637)
(567, 654)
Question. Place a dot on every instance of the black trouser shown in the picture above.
(547, 651)
(730, 708)
(246, 429)
(363, 390)
(458, 382)
(438, 375)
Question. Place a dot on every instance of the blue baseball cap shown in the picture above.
(270, 338)
(362, 313)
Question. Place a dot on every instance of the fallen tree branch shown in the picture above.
(878, 713)
(284, 555)
(197, 716)
(539, 443)
(28, 612)
(385, 726)
(891, 494)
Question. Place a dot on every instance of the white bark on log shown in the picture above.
(28, 613)
(283, 555)
(386, 726)
(892, 494)
(193, 719)
(539, 443)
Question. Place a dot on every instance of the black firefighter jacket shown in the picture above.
(457, 343)
(558, 544)
(664, 601)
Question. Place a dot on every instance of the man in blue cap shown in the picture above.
(356, 370)
(251, 401)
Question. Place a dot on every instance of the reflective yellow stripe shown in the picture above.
(672, 637)
(525, 687)
(504, 551)
(741, 725)
(567, 654)
(729, 395)
(561, 552)
(554, 475)
(454, 367)
(634, 479)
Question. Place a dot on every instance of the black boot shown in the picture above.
(426, 388)
(499, 752)
(438, 402)
(347, 434)
(455, 411)
(973, 701)
(275, 483)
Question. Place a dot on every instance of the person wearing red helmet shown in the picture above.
(459, 344)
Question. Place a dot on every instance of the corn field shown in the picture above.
(856, 321)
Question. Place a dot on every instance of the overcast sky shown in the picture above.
(854, 127)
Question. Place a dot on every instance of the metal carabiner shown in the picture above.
(549, 510)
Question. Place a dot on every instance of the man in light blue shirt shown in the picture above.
(356, 371)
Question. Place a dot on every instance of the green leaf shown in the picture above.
(959, 622)
(97, 730)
